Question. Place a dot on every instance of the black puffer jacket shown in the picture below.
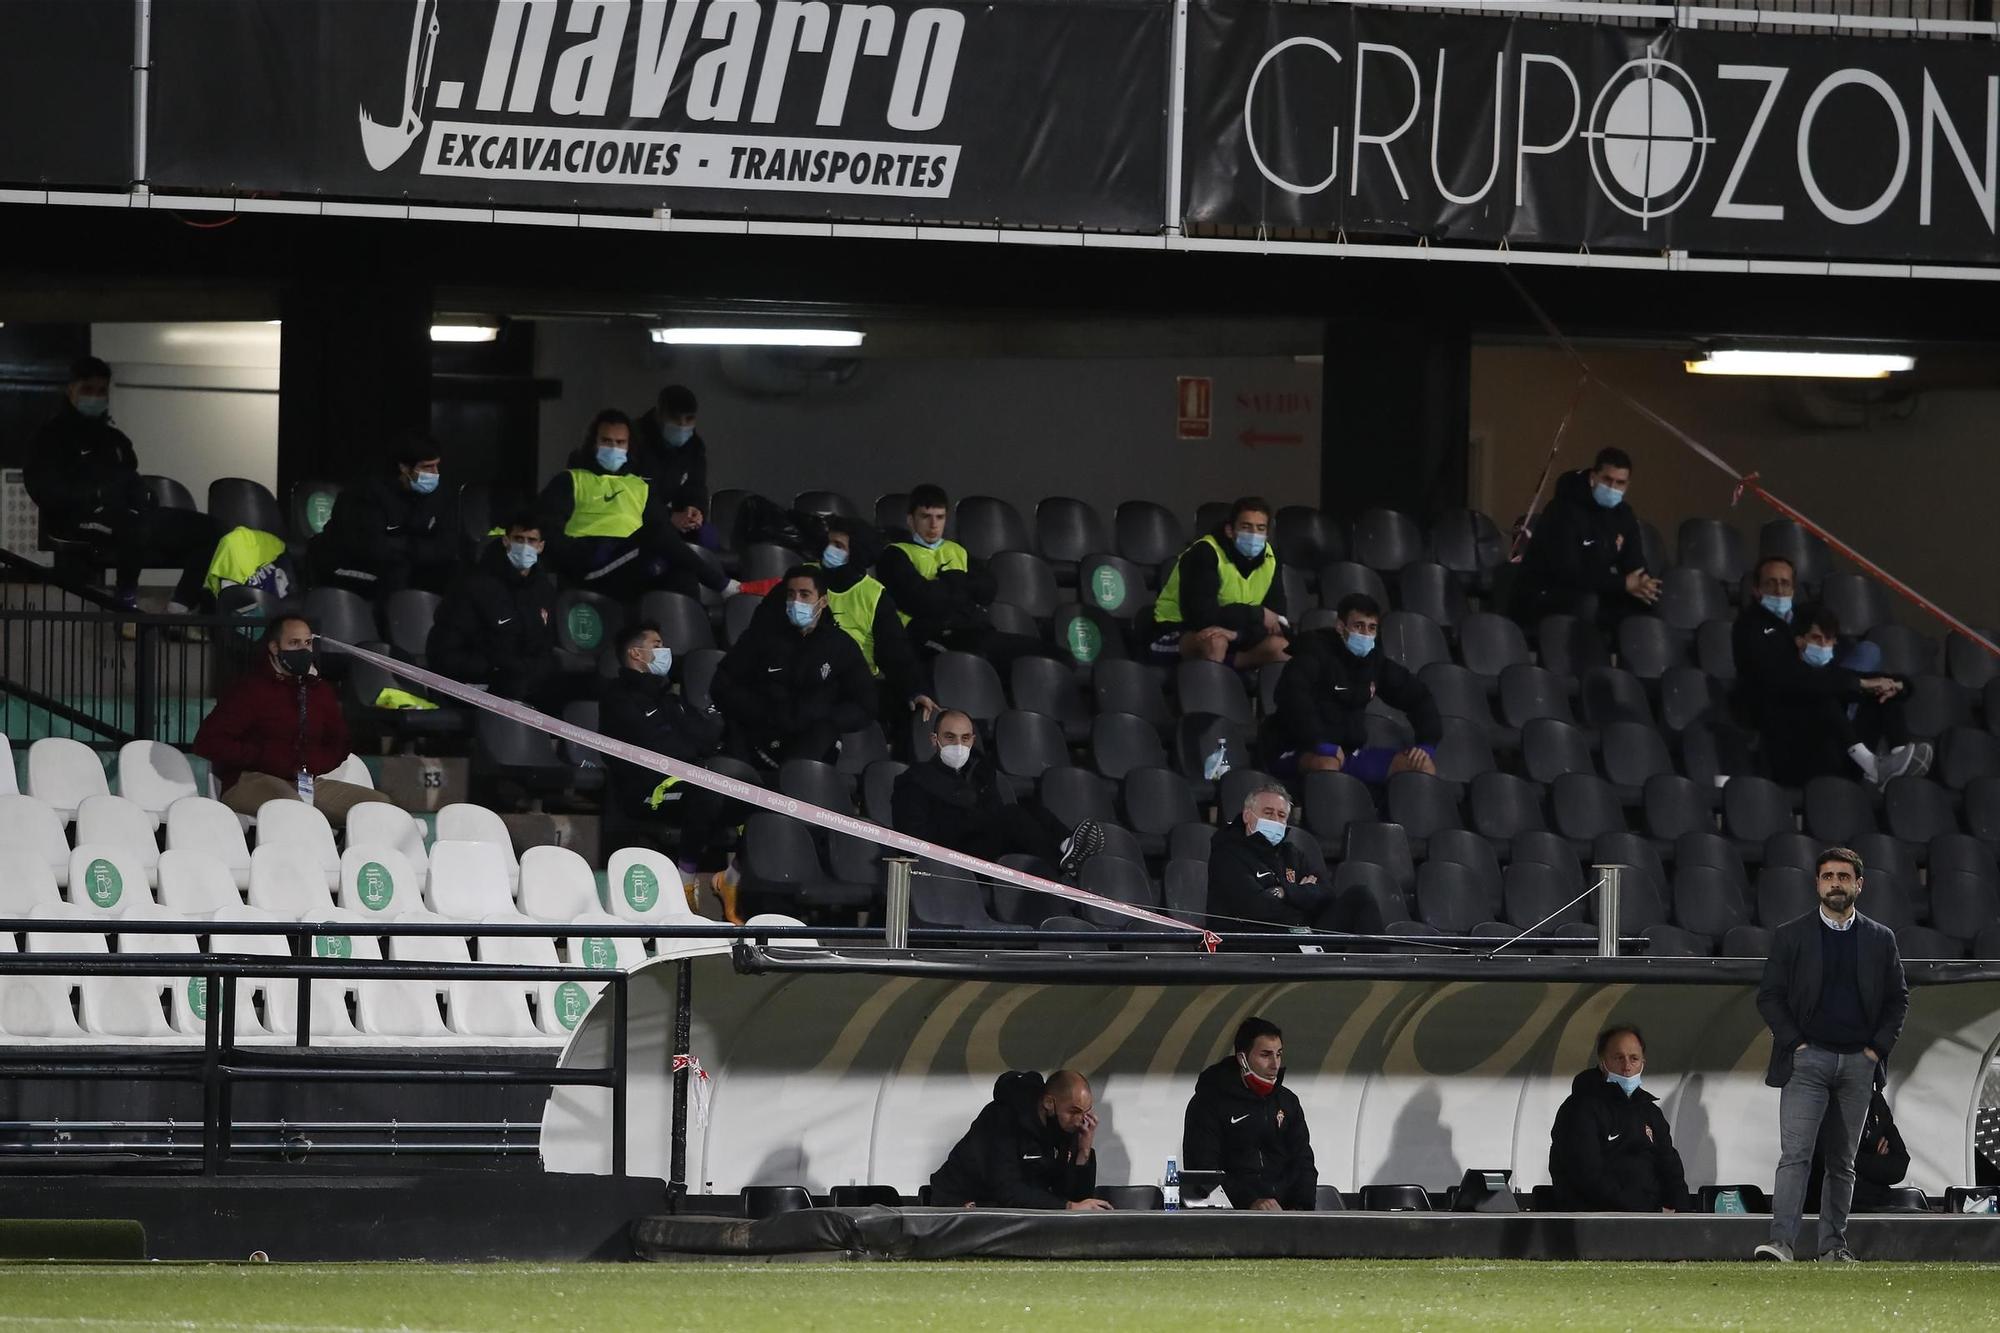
(1011, 1157)
(382, 522)
(779, 681)
(1324, 692)
(1251, 880)
(960, 810)
(1260, 1142)
(77, 464)
(1612, 1153)
(496, 627)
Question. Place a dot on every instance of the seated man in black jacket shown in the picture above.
(1032, 1147)
(1256, 876)
(1325, 691)
(639, 708)
(83, 475)
(957, 799)
(1244, 1122)
(496, 626)
(1586, 547)
(792, 689)
(1611, 1149)
(393, 531)
(1789, 688)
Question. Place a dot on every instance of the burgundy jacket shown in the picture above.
(255, 728)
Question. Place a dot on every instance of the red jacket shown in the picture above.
(255, 729)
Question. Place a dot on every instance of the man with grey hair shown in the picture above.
(1258, 878)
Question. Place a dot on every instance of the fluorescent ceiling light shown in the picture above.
(464, 333)
(1801, 365)
(759, 337)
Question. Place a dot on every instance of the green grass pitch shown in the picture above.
(967, 1295)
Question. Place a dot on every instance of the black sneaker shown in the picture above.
(1086, 841)
(1843, 1255)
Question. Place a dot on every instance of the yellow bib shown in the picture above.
(1236, 589)
(605, 506)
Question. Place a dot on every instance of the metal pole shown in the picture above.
(1176, 119)
(142, 73)
(683, 1029)
(304, 1038)
(896, 916)
(1610, 879)
(145, 682)
(211, 1076)
(619, 1011)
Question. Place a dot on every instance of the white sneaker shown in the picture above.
(1775, 1251)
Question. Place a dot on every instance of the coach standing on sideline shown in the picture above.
(1834, 997)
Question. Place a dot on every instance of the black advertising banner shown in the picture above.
(1029, 112)
(1341, 118)
(66, 92)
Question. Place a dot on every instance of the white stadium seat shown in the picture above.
(353, 770)
(376, 823)
(330, 1019)
(113, 821)
(196, 823)
(28, 822)
(26, 881)
(153, 776)
(38, 1008)
(285, 881)
(106, 880)
(298, 825)
(594, 951)
(195, 884)
(409, 1009)
(488, 1009)
(557, 884)
(462, 822)
(250, 989)
(469, 881)
(128, 1008)
(643, 885)
(61, 772)
(379, 883)
(9, 784)
(187, 997)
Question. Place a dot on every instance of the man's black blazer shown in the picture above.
(1789, 993)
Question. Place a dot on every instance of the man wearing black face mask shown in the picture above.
(1244, 1122)
(957, 799)
(278, 729)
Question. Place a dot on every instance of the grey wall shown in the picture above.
(1100, 427)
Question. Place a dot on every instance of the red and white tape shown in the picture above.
(756, 796)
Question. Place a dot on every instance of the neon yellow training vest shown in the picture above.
(605, 506)
(240, 554)
(949, 557)
(854, 611)
(1236, 589)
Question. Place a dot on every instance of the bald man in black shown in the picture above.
(1032, 1147)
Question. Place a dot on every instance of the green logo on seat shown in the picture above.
(333, 946)
(1107, 585)
(642, 888)
(374, 886)
(197, 995)
(586, 627)
(1083, 639)
(103, 883)
(572, 1003)
(598, 953)
(319, 508)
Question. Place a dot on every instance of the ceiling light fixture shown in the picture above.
(464, 333)
(717, 337)
(1800, 365)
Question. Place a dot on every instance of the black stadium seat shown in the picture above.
(1491, 644)
(1067, 529)
(1808, 554)
(1044, 685)
(683, 621)
(1385, 540)
(1838, 810)
(1024, 579)
(1028, 744)
(985, 526)
(1342, 577)
(1307, 538)
(1211, 687)
(238, 502)
(1112, 584)
(1430, 590)
(1469, 544)
(970, 684)
(1073, 795)
(1713, 547)
(1147, 533)
(826, 502)
(1449, 897)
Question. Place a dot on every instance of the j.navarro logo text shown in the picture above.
(734, 66)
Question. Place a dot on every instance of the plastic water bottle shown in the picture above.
(1217, 762)
(1171, 1188)
(305, 781)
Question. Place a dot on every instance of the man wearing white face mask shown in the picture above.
(611, 530)
(1320, 724)
(791, 689)
(496, 627)
(667, 448)
(640, 708)
(1259, 880)
(957, 799)
(1224, 601)
(1611, 1149)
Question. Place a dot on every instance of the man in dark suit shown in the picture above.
(1834, 996)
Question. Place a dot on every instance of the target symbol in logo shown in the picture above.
(1648, 138)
